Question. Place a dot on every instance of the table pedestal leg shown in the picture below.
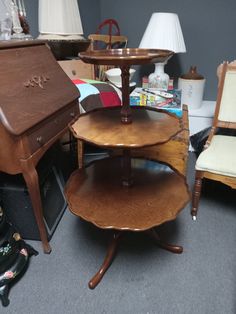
(113, 248)
(126, 117)
(107, 262)
(166, 246)
(127, 179)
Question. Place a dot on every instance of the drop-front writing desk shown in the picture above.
(37, 102)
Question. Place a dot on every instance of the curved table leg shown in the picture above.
(166, 246)
(31, 178)
(107, 261)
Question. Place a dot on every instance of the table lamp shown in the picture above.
(163, 32)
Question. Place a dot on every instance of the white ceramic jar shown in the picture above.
(192, 86)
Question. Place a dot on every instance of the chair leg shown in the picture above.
(196, 194)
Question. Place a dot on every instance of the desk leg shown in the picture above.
(31, 178)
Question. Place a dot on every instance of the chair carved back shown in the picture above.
(225, 112)
(225, 115)
(107, 41)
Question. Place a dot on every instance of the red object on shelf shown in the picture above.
(111, 24)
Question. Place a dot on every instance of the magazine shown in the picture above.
(157, 99)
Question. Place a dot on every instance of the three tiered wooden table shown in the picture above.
(122, 193)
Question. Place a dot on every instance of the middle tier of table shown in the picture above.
(104, 128)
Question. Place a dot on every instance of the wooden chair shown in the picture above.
(107, 41)
(108, 36)
(99, 41)
(218, 160)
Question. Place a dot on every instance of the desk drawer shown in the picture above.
(51, 127)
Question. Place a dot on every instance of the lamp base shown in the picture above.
(159, 79)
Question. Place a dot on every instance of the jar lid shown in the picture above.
(192, 74)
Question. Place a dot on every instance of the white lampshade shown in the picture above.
(164, 32)
(59, 19)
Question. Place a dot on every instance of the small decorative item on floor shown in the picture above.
(192, 86)
(14, 256)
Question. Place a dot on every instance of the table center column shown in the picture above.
(125, 110)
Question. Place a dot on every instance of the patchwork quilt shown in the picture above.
(96, 94)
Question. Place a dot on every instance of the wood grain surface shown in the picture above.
(96, 194)
(125, 56)
(103, 127)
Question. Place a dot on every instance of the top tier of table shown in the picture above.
(127, 56)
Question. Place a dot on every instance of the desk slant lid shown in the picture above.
(32, 85)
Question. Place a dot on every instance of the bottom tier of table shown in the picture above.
(96, 194)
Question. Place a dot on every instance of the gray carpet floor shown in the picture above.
(143, 278)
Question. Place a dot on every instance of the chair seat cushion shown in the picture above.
(219, 157)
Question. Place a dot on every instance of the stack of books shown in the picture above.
(167, 100)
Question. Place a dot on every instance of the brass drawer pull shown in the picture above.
(39, 139)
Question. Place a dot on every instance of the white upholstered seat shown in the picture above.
(219, 157)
